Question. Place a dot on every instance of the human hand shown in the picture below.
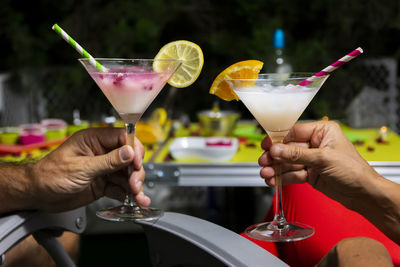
(320, 154)
(90, 164)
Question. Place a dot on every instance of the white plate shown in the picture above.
(209, 148)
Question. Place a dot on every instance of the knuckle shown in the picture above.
(295, 154)
(334, 125)
(322, 156)
(331, 125)
(109, 162)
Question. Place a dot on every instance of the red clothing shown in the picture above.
(332, 222)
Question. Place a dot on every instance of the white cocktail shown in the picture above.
(276, 108)
(277, 101)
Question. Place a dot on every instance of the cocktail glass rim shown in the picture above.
(277, 76)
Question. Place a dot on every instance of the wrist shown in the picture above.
(369, 191)
(34, 192)
(386, 199)
(381, 205)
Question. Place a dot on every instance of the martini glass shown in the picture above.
(131, 86)
(277, 101)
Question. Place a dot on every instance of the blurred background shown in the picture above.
(40, 76)
(44, 70)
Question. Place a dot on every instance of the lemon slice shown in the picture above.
(159, 116)
(192, 62)
(247, 69)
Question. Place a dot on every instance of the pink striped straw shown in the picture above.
(332, 67)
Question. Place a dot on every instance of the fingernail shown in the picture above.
(124, 153)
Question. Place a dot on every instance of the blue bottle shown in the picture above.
(280, 64)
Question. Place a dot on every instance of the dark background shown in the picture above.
(317, 33)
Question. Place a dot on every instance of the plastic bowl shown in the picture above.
(55, 129)
(31, 134)
(9, 135)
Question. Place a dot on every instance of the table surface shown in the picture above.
(242, 169)
(368, 143)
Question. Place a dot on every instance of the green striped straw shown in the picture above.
(78, 48)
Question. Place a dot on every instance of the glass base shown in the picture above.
(269, 231)
(125, 213)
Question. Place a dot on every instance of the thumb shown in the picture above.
(112, 161)
(296, 154)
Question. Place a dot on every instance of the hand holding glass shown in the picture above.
(277, 101)
(130, 85)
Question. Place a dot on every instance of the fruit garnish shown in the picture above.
(149, 133)
(380, 140)
(247, 69)
(370, 149)
(358, 142)
(159, 116)
(192, 62)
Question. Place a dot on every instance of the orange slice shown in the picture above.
(148, 133)
(247, 69)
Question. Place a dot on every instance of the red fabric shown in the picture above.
(332, 222)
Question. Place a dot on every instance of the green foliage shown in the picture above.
(317, 33)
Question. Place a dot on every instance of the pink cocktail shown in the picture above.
(131, 89)
(130, 85)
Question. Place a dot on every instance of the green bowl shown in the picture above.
(55, 129)
(56, 134)
(9, 138)
(220, 123)
(75, 128)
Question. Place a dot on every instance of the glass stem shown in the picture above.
(130, 139)
(279, 218)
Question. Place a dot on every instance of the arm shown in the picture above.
(30, 253)
(320, 154)
(90, 164)
(16, 188)
(380, 204)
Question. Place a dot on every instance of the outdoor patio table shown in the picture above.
(381, 151)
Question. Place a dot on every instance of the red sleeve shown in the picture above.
(332, 222)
